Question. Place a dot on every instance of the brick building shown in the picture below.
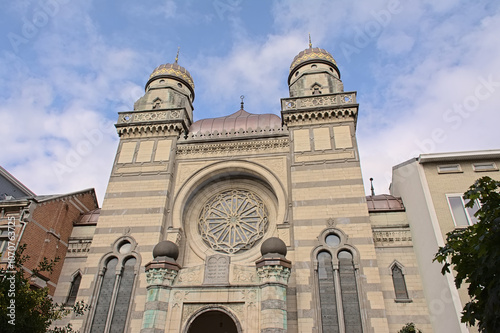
(43, 222)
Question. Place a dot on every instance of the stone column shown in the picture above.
(273, 271)
(160, 275)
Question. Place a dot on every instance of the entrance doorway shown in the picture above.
(213, 322)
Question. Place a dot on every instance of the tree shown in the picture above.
(409, 328)
(27, 309)
(474, 254)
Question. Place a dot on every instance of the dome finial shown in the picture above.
(177, 56)
(310, 44)
(372, 189)
(242, 97)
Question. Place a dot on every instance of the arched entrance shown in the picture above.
(213, 321)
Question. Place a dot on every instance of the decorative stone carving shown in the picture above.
(80, 247)
(217, 270)
(232, 221)
(244, 274)
(160, 276)
(250, 297)
(179, 298)
(327, 100)
(147, 116)
(189, 309)
(389, 237)
(273, 273)
(230, 148)
(319, 116)
(189, 276)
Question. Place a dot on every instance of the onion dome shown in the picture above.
(240, 120)
(174, 71)
(166, 249)
(273, 246)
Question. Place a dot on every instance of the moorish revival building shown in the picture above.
(245, 223)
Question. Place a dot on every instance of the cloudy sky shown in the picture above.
(427, 74)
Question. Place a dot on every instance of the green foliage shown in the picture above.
(409, 328)
(474, 254)
(27, 309)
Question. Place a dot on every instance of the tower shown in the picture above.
(138, 198)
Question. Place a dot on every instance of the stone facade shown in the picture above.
(217, 189)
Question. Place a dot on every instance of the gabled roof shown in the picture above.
(11, 186)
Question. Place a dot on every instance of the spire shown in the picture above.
(242, 97)
(373, 190)
(310, 44)
(177, 56)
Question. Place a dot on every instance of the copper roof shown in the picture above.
(384, 203)
(90, 217)
(240, 120)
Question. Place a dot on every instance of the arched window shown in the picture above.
(115, 286)
(123, 296)
(399, 283)
(337, 284)
(329, 317)
(105, 295)
(73, 290)
(349, 291)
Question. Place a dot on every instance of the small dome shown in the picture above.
(172, 70)
(236, 121)
(273, 245)
(313, 54)
(166, 249)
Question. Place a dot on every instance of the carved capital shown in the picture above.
(273, 274)
(161, 276)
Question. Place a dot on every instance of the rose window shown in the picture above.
(233, 221)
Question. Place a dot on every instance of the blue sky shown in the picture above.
(427, 74)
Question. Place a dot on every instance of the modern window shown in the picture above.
(486, 166)
(398, 279)
(73, 290)
(462, 216)
(449, 168)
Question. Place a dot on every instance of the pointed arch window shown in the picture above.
(73, 290)
(399, 282)
(349, 291)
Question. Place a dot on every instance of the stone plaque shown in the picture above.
(217, 270)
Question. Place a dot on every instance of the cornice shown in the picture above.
(240, 146)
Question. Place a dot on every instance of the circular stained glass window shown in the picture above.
(233, 221)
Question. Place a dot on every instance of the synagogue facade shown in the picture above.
(245, 223)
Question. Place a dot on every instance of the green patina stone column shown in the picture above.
(160, 275)
(273, 271)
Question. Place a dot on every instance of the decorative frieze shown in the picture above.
(78, 248)
(298, 103)
(149, 116)
(392, 237)
(230, 148)
(320, 116)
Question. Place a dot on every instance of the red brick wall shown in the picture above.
(48, 232)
